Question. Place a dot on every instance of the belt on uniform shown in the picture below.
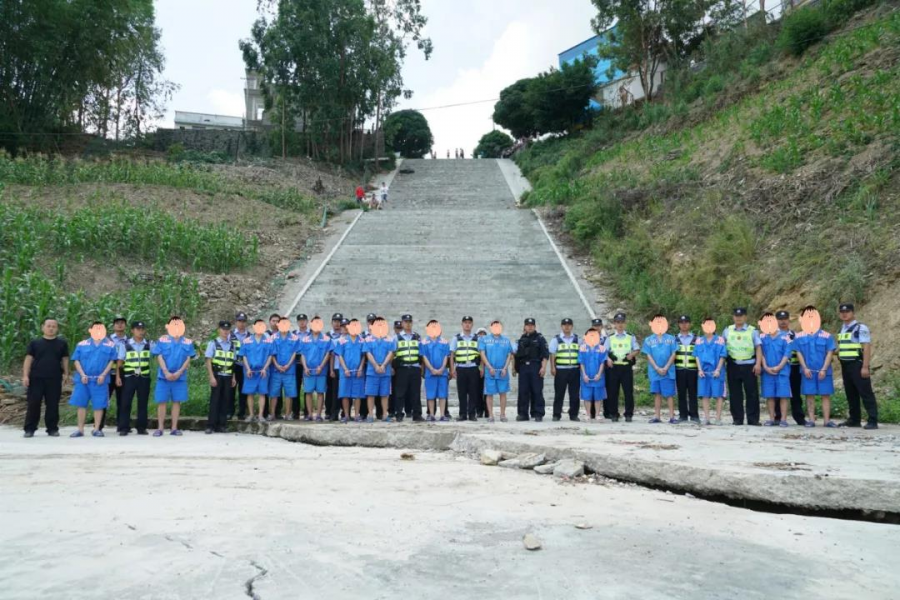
(465, 365)
(566, 368)
(133, 375)
(416, 366)
(223, 374)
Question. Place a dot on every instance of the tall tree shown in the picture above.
(513, 112)
(492, 145)
(407, 132)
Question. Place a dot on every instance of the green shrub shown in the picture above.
(803, 28)
(175, 152)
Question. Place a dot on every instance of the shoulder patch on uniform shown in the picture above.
(188, 341)
(164, 338)
(109, 344)
(83, 343)
(824, 334)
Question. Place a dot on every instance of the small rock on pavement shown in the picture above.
(569, 468)
(512, 463)
(407, 456)
(531, 542)
(583, 526)
(531, 460)
(490, 457)
(545, 469)
(293, 275)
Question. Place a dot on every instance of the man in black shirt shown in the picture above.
(46, 366)
(532, 354)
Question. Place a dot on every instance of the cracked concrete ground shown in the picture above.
(228, 516)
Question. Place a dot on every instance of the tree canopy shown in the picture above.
(407, 132)
(492, 145)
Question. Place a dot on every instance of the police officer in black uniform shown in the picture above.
(408, 397)
(532, 354)
(395, 362)
(135, 373)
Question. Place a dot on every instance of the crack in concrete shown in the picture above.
(183, 543)
(250, 583)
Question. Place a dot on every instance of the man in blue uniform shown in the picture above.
(315, 350)
(379, 356)
(465, 365)
(408, 395)
(564, 349)
(332, 403)
(220, 357)
(435, 351)
(744, 366)
(710, 353)
(784, 330)
(660, 350)
(173, 354)
(256, 356)
(686, 372)
(350, 365)
(855, 354)
(591, 367)
(815, 350)
(776, 375)
(93, 360)
(134, 370)
(238, 335)
(531, 364)
(497, 354)
(118, 337)
(283, 378)
(623, 351)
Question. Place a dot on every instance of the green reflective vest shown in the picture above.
(684, 355)
(137, 362)
(407, 351)
(621, 347)
(566, 354)
(223, 360)
(466, 351)
(740, 343)
(848, 350)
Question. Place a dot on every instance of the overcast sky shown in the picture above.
(480, 47)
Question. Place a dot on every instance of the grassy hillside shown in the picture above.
(763, 180)
(148, 238)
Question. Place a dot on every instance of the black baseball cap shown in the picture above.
(240, 317)
(224, 324)
(846, 307)
(566, 321)
(118, 318)
(596, 322)
(619, 317)
(137, 325)
(345, 321)
(782, 314)
(371, 317)
(406, 318)
(739, 311)
(337, 317)
(302, 317)
(684, 319)
(468, 318)
(529, 321)
(398, 324)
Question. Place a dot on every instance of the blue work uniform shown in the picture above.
(352, 351)
(379, 384)
(93, 357)
(776, 348)
(284, 347)
(814, 347)
(497, 349)
(174, 352)
(591, 360)
(315, 349)
(661, 348)
(708, 352)
(435, 350)
(257, 352)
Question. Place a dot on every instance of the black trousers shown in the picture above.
(392, 399)
(220, 398)
(131, 386)
(332, 403)
(238, 397)
(796, 399)
(619, 376)
(408, 395)
(857, 387)
(531, 389)
(686, 382)
(43, 390)
(468, 389)
(112, 390)
(743, 383)
(566, 379)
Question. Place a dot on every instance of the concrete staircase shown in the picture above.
(450, 242)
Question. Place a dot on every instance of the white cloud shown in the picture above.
(224, 102)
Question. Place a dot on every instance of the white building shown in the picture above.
(194, 120)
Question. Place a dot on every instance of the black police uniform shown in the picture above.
(468, 382)
(568, 377)
(136, 370)
(221, 396)
(531, 352)
(408, 396)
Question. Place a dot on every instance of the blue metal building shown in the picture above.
(589, 46)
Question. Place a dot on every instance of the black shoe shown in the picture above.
(754, 424)
(556, 418)
(53, 433)
(208, 431)
(871, 425)
(849, 423)
(473, 418)
(399, 418)
(142, 432)
(680, 420)
(417, 419)
(572, 419)
(628, 419)
(29, 434)
(480, 415)
(741, 424)
(521, 418)
(461, 418)
(539, 419)
(616, 419)
(123, 433)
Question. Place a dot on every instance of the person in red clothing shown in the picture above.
(360, 194)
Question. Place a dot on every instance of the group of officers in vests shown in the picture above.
(481, 362)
